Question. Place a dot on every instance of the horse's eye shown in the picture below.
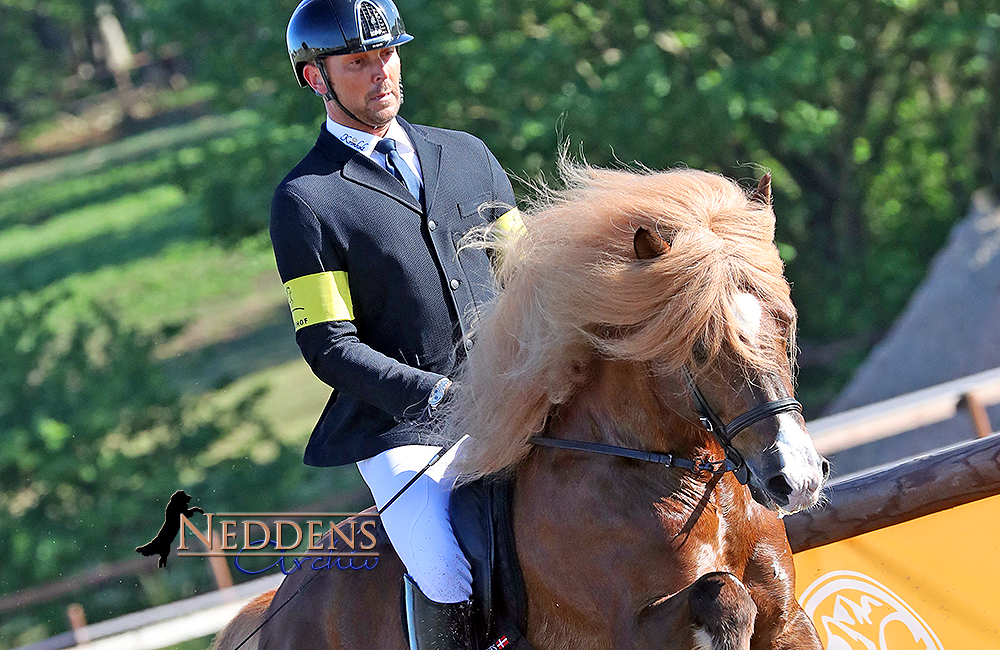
(699, 352)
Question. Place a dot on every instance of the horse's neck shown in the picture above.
(630, 407)
(623, 404)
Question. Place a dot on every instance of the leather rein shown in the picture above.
(710, 420)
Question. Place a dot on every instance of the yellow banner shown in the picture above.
(925, 584)
(319, 298)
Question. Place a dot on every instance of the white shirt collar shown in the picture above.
(357, 140)
(365, 142)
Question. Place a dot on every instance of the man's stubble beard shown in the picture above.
(366, 116)
(371, 116)
(399, 106)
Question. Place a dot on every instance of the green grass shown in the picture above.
(90, 238)
(109, 225)
(35, 201)
(123, 215)
(127, 151)
(113, 225)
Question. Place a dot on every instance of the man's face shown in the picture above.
(367, 84)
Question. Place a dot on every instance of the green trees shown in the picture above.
(877, 119)
(87, 420)
(55, 51)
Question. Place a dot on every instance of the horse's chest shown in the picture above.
(699, 536)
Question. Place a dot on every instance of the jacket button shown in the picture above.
(454, 284)
(468, 344)
(431, 225)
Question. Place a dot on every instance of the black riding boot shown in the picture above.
(436, 626)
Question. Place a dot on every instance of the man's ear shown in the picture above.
(314, 78)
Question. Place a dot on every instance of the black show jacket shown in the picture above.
(414, 292)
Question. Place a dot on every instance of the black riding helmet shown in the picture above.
(320, 28)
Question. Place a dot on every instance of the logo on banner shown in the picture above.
(852, 611)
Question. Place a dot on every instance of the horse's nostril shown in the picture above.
(826, 469)
(778, 485)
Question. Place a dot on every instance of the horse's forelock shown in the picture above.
(575, 290)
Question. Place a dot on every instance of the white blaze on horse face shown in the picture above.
(749, 314)
(801, 464)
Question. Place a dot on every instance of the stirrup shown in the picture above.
(436, 626)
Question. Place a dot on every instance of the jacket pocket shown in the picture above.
(431, 360)
(470, 207)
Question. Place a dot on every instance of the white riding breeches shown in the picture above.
(417, 522)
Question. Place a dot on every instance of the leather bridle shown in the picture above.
(710, 420)
(699, 466)
(724, 433)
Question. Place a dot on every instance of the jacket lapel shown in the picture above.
(364, 171)
(429, 154)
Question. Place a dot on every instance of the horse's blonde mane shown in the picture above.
(574, 290)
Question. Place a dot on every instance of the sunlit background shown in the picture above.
(145, 343)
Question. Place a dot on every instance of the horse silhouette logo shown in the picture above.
(855, 612)
(160, 545)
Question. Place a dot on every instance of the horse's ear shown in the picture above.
(648, 244)
(762, 192)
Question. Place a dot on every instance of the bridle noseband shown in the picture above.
(724, 433)
(710, 420)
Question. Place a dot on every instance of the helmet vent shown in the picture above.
(373, 23)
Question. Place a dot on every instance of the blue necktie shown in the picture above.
(398, 166)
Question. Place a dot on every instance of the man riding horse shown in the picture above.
(365, 232)
(633, 380)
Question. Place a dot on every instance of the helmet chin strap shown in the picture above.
(329, 95)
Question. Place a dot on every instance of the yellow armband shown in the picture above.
(319, 298)
(510, 223)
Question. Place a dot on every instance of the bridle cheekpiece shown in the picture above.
(724, 433)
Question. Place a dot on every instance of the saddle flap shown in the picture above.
(482, 519)
(472, 522)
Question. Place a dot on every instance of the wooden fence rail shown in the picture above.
(95, 576)
(908, 412)
(913, 488)
(163, 626)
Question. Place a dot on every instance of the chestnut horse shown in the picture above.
(639, 311)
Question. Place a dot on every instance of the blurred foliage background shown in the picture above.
(878, 119)
(142, 321)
